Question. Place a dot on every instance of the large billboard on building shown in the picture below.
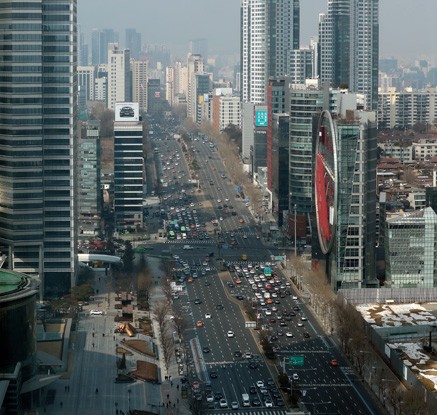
(127, 111)
(261, 119)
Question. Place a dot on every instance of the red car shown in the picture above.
(333, 362)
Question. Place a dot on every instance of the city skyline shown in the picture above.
(223, 32)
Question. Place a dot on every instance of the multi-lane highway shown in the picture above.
(222, 353)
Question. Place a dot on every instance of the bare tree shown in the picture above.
(166, 288)
(413, 402)
(161, 310)
(167, 345)
(180, 324)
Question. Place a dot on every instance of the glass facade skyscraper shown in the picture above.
(349, 47)
(38, 92)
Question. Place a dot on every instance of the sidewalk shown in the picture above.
(170, 389)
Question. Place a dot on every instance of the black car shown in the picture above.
(197, 301)
(127, 112)
(256, 402)
(219, 307)
(237, 353)
(206, 349)
(279, 402)
(306, 335)
(239, 297)
(253, 365)
(213, 374)
(252, 390)
(218, 396)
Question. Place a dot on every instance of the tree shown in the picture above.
(180, 324)
(128, 258)
(167, 345)
(82, 292)
(160, 311)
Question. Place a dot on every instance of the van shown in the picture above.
(187, 247)
(245, 399)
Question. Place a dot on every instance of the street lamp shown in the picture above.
(128, 399)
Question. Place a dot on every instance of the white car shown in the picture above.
(268, 403)
(303, 318)
(210, 398)
(208, 315)
(299, 324)
(294, 297)
(230, 333)
(289, 334)
(295, 376)
(96, 312)
(219, 201)
(234, 405)
(260, 383)
(221, 218)
(223, 403)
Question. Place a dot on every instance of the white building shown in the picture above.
(119, 82)
(139, 83)
(228, 111)
(195, 66)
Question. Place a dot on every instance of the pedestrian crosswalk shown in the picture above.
(252, 411)
(191, 241)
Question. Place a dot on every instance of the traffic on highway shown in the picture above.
(235, 299)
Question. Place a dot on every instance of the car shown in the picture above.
(199, 323)
(256, 402)
(268, 403)
(230, 333)
(96, 313)
(295, 376)
(208, 315)
(126, 112)
(252, 390)
(306, 335)
(213, 374)
(219, 307)
(294, 297)
(248, 355)
(234, 405)
(206, 349)
(253, 365)
(223, 403)
(272, 321)
(239, 297)
(197, 301)
(218, 396)
(289, 334)
(299, 324)
(333, 362)
(244, 236)
(280, 402)
(260, 383)
(283, 324)
(209, 398)
(237, 353)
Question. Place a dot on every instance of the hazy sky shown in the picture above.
(407, 27)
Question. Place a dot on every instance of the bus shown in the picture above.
(171, 235)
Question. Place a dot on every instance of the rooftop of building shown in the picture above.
(13, 283)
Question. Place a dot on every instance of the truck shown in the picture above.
(187, 247)
(245, 399)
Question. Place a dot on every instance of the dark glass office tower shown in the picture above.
(38, 90)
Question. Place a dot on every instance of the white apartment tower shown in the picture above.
(119, 83)
(269, 30)
(139, 83)
(195, 66)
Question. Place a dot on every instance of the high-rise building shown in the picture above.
(90, 193)
(195, 66)
(199, 47)
(133, 43)
(119, 75)
(128, 167)
(411, 257)
(139, 83)
(269, 30)
(38, 93)
(345, 196)
(153, 95)
(86, 80)
(349, 47)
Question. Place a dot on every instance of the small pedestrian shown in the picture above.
(177, 400)
(174, 405)
(113, 337)
(166, 405)
(93, 334)
(168, 395)
(60, 404)
(93, 345)
(65, 388)
(97, 391)
(166, 377)
(177, 387)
